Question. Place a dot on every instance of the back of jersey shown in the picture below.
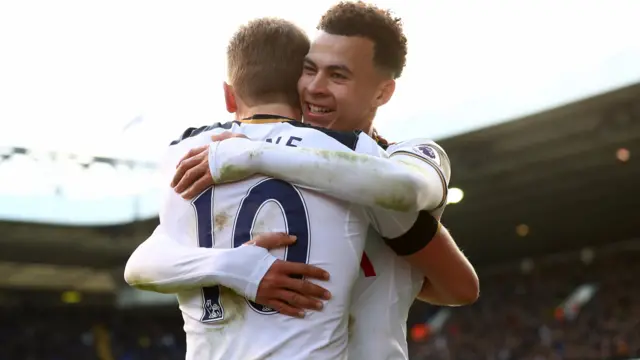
(330, 234)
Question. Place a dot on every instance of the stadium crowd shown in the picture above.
(517, 317)
(78, 333)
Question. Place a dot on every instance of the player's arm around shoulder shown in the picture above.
(428, 246)
(405, 184)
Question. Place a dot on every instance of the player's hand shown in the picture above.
(227, 135)
(279, 290)
(192, 174)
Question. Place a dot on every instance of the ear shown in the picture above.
(385, 91)
(230, 98)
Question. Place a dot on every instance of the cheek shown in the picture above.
(302, 84)
(354, 105)
(344, 96)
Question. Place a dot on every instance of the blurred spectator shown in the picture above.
(517, 316)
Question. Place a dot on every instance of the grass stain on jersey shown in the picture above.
(231, 173)
(345, 155)
(395, 203)
(221, 220)
(351, 323)
(414, 166)
(142, 284)
(234, 305)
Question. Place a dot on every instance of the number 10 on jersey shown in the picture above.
(290, 201)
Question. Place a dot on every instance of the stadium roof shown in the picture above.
(556, 174)
(553, 181)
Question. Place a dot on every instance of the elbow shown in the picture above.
(465, 289)
(408, 194)
(131, 273)
(422, 194)
(469, 292)
(460, 295)
(136, 273)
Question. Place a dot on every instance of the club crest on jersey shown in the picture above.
(213, 312)
(427, 152)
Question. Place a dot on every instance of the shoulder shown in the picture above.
(192, 138)
(368, 145)
(425, 149)
(193, 132)
(349, 139)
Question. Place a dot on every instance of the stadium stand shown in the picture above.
(551, 183)
(519, 315)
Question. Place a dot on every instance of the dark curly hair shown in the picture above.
(373, 23)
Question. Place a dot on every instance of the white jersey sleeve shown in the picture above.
(164, 265)
(168, 261)
(426, 154)
(368, 177)
(430, 160)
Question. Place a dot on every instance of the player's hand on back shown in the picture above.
(192, 174)
(279, 290)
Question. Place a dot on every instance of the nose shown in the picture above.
(317, 85)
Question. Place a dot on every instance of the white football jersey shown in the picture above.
(330, 234)
(388, 285)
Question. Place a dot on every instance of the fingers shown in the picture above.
(271, 241)
(193, 152)
(198, 187)
(185, 165)
(298, 301)
(220, 137)
(280, 291)
(284, 308)
(293, 268)
(306, 288)
(227, 135)
(190, 177)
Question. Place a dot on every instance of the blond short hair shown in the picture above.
(264, 60)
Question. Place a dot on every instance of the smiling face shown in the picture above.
(340, 87)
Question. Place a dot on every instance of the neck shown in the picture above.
(271, 109)
(367, 126)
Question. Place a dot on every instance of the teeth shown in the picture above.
(318, 109)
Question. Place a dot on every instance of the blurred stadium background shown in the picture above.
(547, 207)
(548, 212)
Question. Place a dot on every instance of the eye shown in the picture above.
(338, 76)
(309, 69)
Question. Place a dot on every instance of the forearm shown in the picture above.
(452, 279)
(432, 295)
(162, 265)
(362, 179)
